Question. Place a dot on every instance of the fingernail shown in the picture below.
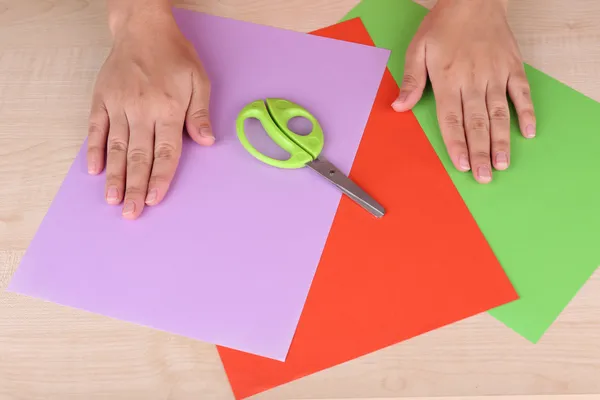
(463, 162)
(484, 173)
(398, 104)
(530, 131)
(206, 132)
(152, 195)
(112, 195)
(501, 160)
(92, 168)
(129, 207)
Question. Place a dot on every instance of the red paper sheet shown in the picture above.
(424, 265)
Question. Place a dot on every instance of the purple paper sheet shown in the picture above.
(229, 256)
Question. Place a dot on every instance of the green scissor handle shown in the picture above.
(274, 115)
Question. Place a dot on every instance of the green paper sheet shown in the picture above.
(542, 215)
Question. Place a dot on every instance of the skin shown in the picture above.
(471, 57)
(153, 85)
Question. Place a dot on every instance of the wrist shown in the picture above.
(132, 15)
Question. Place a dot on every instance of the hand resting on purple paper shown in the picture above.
(151, 86)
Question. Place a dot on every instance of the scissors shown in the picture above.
(274, 115)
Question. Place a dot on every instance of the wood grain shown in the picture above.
(50, 52)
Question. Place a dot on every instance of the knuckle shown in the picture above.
(95, 128)
(134, 191)
(117, 145)
(166, 151)
(526, 112)
(409, 81)
(448, 66)
(200, 114)
(478, 122)
(142, 94)
(453, 120)
(170, 123)
(113, 178)
(456, 145)
(95, 149)
(525, 92)
(499, 112)
(500, 144)
(519, 85)
(158, 180)
(138, 158)
(480, 156)
(168, 98)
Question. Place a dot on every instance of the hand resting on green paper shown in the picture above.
(152, 85)
(468, 51)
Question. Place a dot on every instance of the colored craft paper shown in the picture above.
(229, 256)
(542, 215)
(424, 265)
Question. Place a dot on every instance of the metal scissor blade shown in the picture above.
(345, 184)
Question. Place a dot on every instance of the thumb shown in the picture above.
(414, 80)
(197, 121)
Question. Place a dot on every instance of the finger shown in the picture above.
(197, 119)
(97, 134)
(450, 117)
(414, 79)
(497, 106)
(167, 151)
(520, 94)
(116, 158)
(477, 129)
(139, 162)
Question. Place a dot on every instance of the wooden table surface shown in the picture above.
(50, 51)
